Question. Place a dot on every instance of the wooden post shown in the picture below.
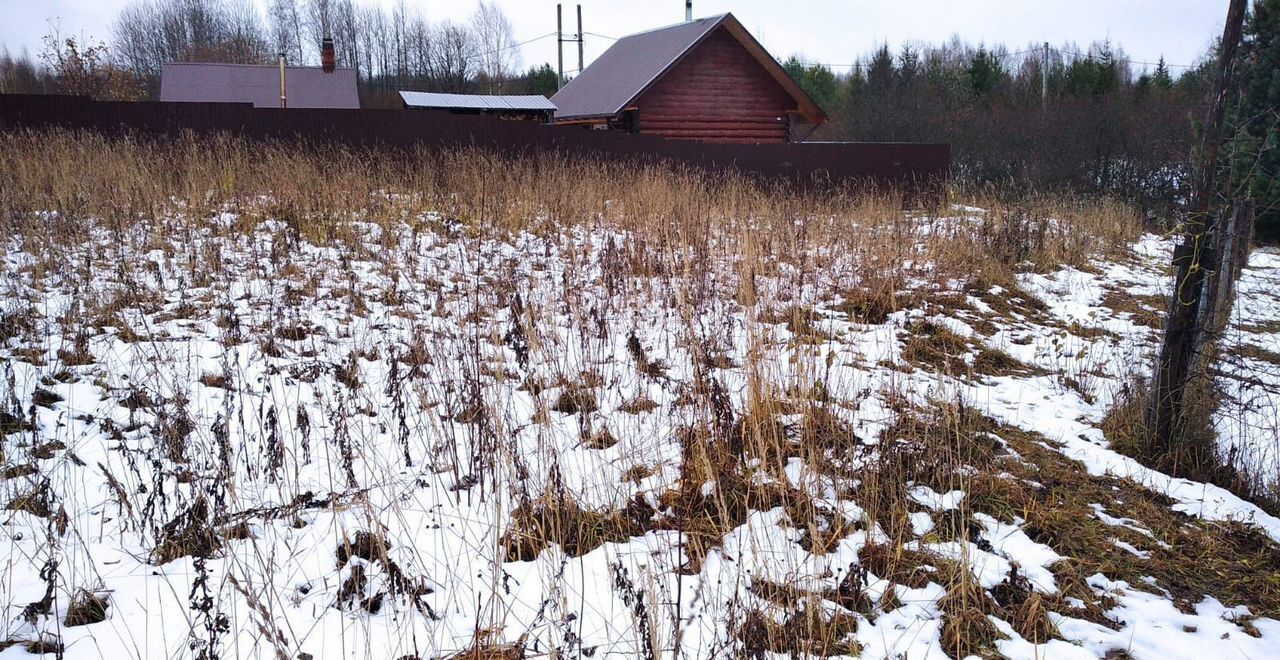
(1223, 261)
(1234, 252)
(1044, 77)
(559, 46)
(1230, 251)
(1179, 349)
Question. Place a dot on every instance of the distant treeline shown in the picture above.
(1088, 121)
(392, 49)
(1064, 117)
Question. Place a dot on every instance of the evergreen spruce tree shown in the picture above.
(1082, 77)
(1161, 78)
(880, 71)
(1256, 118)
(540, 80)
(1108, 80)
(794, 68)
(816, 79)
(849, 94)
(908, 66)
(1142, 87)
(984, 73)
(820, 82)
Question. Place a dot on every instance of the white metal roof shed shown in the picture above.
(533, 102)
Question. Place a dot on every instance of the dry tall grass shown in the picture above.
(696, 243)
(57, 183)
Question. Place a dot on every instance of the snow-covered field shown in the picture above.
(437, 441)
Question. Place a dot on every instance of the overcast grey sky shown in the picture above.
(829, 31)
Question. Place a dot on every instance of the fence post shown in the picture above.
(1179, 350)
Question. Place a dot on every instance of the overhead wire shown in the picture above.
(1060, 51)
(517, 45)
(833, 65)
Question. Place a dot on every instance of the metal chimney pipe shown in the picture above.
(283, 104)
(688, 11)
(328, 59)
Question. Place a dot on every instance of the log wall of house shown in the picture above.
(717, 93)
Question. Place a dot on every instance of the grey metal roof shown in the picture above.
(630, 65)
(476, 101)
(259, 84)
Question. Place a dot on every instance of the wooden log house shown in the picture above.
(706, 79)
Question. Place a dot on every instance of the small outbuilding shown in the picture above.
(534, 107)
(705, 79)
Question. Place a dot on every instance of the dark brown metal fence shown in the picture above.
(909, 167)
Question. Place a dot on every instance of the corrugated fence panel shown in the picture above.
(911, 168)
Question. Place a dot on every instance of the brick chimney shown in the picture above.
(328, 60)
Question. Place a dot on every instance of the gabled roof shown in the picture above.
(476, 101)
(259, 84)
(635, 62)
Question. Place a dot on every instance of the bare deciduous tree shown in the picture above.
(417, 45)
(150, 33)
(372, 45)
(453, 57)
(345, 33)
(319, 23)
(399, 41)
(498, 57)
(392, 48)
(286, 28)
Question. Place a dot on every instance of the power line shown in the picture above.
(522, 43)
(833, 65)
(1060, 51)
(1077, 53)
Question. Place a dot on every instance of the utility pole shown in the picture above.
(559, 46)
(561, 39)
(1044, 78)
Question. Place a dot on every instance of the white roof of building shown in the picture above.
(476, 101)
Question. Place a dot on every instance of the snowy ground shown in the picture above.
(418, 388)
(1249, 422)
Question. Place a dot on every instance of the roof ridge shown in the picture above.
(714, 17)
(269, 66)
(505, 96)
(696, 31)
